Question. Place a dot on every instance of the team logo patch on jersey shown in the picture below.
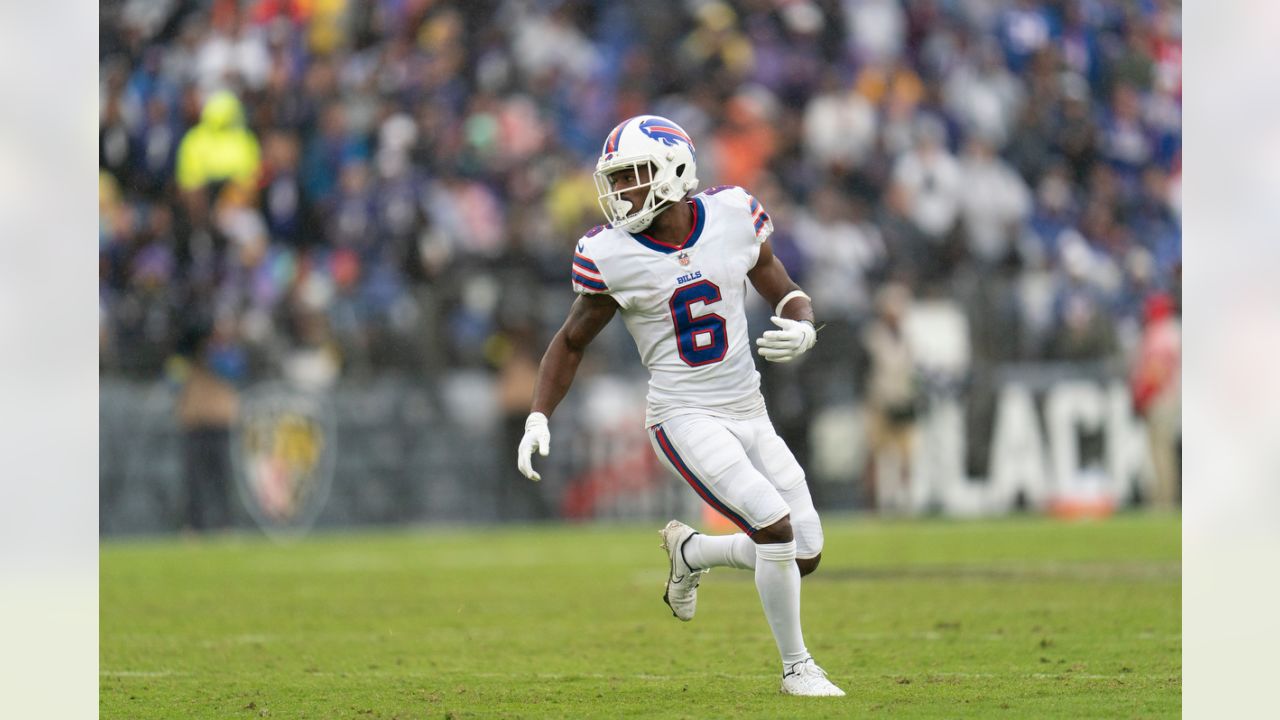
(665, 132)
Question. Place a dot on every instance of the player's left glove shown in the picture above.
(789, 341)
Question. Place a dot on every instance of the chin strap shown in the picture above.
(653, 215)
(621, 208)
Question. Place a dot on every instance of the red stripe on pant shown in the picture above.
(697, 486)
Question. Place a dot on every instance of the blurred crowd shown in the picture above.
(320, 188)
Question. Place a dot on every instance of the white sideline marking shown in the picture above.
(239, 640)
(1064, 675)
(658, 678)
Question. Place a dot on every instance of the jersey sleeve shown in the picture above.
(760, 221)
(741, 200)
(586, 274)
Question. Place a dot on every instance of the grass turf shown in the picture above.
(1020, 617)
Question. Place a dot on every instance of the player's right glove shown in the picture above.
(537, 436)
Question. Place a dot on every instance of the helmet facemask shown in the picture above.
(619, 211)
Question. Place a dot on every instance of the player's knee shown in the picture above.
(807, 528)
(778, 532)
(808, 565)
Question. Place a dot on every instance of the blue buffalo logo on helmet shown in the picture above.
(665, 132)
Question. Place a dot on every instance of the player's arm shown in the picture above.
(587, 317)
(792, 309)
(769, 277)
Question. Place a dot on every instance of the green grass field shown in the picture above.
(1023, 617)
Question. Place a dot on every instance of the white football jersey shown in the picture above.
(685, 306)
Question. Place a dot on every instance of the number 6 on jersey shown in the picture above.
(701, 340)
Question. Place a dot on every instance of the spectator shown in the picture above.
(206, 410)
(1156, 382)
(928, 180)
(716, 46)
(994, 202)
(517, 373)
(984, 96)
(1077, 43)
(115, 146)
(1082, 327)
(1054, 210)
(877, 29)
(233, 54)
(891, 401)
(285, 204)
(1076, 133)
(748, 139)
(157, 143)
(839, 128)
(923, 204)
(844, 254)
(220, 148)
(1126, 141)
(1025, 28)
(312, 359)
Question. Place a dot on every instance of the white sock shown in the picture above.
(778, 582)
(708, 551)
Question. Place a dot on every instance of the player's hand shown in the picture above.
(537, 436)
(789, 341)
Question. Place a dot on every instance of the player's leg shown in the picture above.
(709, 456)
(795, 547)
(703, 552)
(703, 452)
(770, 455)
(708, 453)
(778, 582)
(722, 437)
(708, 551)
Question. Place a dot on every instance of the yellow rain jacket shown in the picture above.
(219, 147)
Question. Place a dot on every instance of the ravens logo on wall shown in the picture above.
(283, 449)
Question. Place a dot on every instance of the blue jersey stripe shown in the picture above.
(588, 282)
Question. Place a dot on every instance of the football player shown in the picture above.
(675, 267)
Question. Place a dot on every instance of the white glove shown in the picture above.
(787, 343)
(536, 436)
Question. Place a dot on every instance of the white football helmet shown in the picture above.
(663, 159)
